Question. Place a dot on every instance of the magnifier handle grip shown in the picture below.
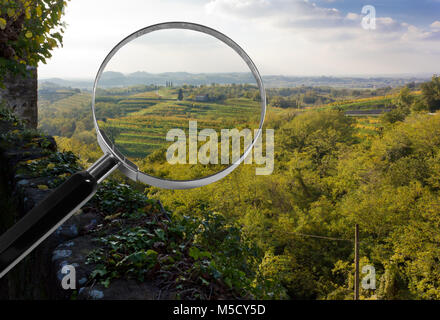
(44, 219)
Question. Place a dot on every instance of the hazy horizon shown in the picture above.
(365, 76)
(118, 80)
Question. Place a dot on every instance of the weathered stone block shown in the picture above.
(21, 95)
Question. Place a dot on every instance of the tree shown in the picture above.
(277, 102)
(403, 102)
(405, 99)
(394, 115)
(281, 102)
(419, 105)
(431, 93)
(180, 95)
(26, 33)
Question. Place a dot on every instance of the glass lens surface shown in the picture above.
(180, 104)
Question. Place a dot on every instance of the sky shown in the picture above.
(176, 50)
(288, 37)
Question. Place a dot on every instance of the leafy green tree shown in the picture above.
(394, 115)
(180, 95)
(276, 102)
(405, 99)
(419, 104)
(281, 102)
(27, 33)
(402, 103)
(431, 93)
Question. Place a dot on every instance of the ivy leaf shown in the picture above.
(10, 12)
(2, 24)
(151, 253)
(228, 282)
(38, 11)
(194, 253)
(160, 233)
(206, 283)
(106, 282)
(101, 271)
(28, 13)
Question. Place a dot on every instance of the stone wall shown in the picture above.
(30, 279)
(21, 95)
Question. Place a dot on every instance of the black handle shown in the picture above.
(44, 219)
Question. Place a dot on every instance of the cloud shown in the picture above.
(323, 24)
(293, 13)
(352, 16)
(310, 38)
(281, 36)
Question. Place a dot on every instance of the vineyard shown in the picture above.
(138, 124)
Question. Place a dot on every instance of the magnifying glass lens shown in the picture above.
(175, 102)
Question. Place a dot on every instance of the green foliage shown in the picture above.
(405, 99)
(305, 96)
(65, 114)
(180, 95)
(180, 252)
(113, 196)
(402, 106)
(7, 115)
(394, 115)
(374, 102)
(326, 179)
(281, 102)
(127, 255)
(57, 165)
(27, 32)
(218, 93)
(431, 93)
(289, 235)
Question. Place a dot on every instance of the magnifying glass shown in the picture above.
(171, 104)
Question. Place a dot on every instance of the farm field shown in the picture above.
(379, 102)
(138, 118)
(138, 123)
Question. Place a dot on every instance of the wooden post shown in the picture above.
(356, 262)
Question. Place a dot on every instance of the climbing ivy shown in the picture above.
(197, 258)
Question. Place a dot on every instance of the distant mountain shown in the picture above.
(57, 82)
(117, 79)
(111, 75)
